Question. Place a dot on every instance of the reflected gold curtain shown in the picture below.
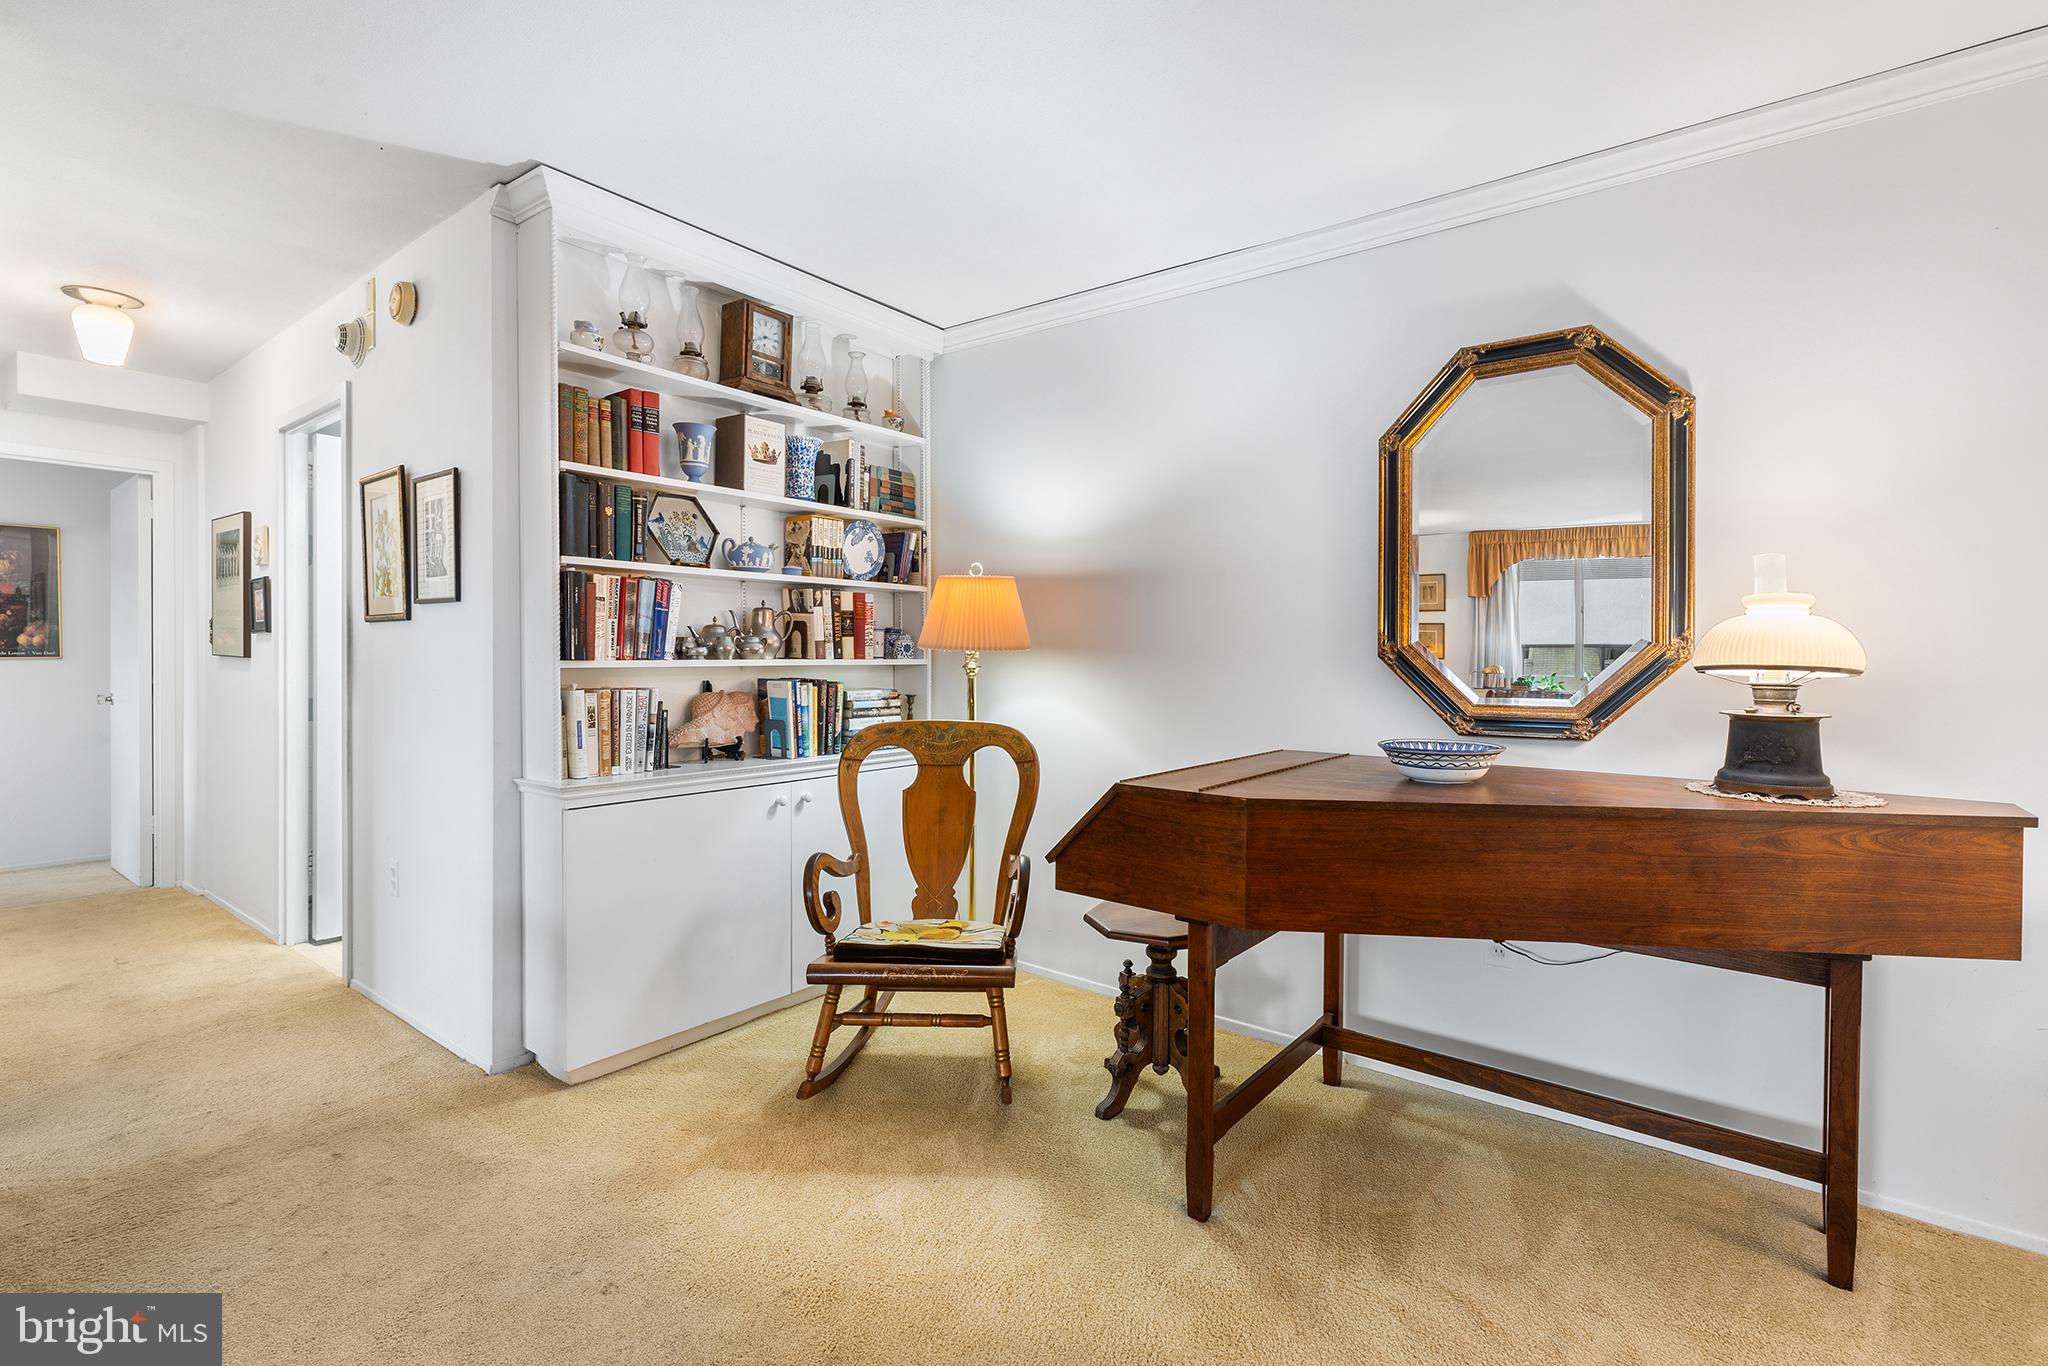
(1487, 553)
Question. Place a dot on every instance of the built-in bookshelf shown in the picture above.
(562, 254)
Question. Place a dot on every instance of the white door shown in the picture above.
(129, 622)
(326, 568)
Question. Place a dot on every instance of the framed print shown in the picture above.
(387, 584)
(437, 537)
(1430, 636)
(681, 530)
(31, 600)
(259, 606)
(230, 631)
(1429, 593)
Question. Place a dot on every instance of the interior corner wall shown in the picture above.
(58, 732)
(1186, 491)
(429, 870)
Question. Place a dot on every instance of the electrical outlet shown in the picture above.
(1495, 954)
(394, 877)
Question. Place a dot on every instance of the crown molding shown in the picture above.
(2005, 61)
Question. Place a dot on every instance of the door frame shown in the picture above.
(292, 613)
(166, 738)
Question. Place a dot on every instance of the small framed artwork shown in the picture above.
(437, 537)
(31, 601)
(259, 547)
(259, 606)
(680, 528)
(387, 594)
(1430, 636)
(1429, 593)
(231, 586)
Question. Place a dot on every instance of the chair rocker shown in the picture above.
(923, 954)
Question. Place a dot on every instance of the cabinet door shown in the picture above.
(678, 914)
(818, 825)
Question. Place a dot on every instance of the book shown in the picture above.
(565, 432)
(748, 454)
(604, 732)
(622, 522)
(579, 402)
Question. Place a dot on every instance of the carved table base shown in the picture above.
(1151, 1027)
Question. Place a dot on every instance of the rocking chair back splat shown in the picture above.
(935, 952)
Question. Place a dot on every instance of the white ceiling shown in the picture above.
(952, 160)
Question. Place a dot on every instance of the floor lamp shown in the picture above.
(973, 612)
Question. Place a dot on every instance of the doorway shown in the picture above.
(310, 594)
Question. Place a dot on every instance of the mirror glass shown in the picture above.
(1531, 523)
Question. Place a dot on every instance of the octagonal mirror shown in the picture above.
(1535, 571)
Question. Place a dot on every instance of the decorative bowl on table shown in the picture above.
(1442, 761)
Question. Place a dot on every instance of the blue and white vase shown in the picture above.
(800, 468)
(694, 444)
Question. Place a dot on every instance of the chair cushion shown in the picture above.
(922, 941)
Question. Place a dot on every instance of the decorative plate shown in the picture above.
(681, 530)
(863, 549)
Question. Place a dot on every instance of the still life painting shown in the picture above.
(230, 633)
(30, 603)
(386, 573)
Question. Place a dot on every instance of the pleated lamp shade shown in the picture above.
(1778, 634)
(975, 612)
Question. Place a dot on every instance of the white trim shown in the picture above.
(1976, 1228)
(433, 1035)
(55, 863)
(2005, 61)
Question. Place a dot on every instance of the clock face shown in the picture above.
(767, 335)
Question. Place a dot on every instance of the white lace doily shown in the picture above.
(1841, 798)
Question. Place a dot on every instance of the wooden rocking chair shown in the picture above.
(938, 816)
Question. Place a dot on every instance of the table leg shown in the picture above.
(1200, 1077)
(1133, 1046)
(1843, 1117)
(1333, 1005)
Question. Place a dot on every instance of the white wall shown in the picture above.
(434, 699)
(1859, 314)
(58, 798)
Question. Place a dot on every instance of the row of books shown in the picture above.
(891, 490)
(802, 718)
(836, 623)
(613, 730)
(616, 616)
(620, 431)
(602, 520)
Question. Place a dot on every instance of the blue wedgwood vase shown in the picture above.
(800, 468)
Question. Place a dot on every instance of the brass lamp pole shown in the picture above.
(973, 612)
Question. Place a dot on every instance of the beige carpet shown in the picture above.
(185, 1106)
(63, 882)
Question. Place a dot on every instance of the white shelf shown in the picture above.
(674, 571)
(719, 493)
(624, 373)
(697, 777)
(758, 665)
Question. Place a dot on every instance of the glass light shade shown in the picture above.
(856, 377)
(1778, 639)
(633, 288)
(810, 360)
(975, 611)
(103, 333)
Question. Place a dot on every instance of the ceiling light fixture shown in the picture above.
(101, 323)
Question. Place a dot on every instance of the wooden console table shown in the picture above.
(1341, 844)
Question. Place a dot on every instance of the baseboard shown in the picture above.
(511, 1064)
(236, 911)
(1976, 1228)
(356, 985)
(53, 863)
(590, 1071)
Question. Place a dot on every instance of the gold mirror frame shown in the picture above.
(1673, 426)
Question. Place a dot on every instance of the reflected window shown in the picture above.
(1577, 617)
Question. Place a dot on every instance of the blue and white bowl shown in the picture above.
(1442, 761)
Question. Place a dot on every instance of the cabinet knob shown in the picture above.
(778, 803)
(803, 799)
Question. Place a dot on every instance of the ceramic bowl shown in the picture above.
(1442, 761)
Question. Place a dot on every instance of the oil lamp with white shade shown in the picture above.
(1775, 647)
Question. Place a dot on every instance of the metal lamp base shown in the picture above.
(1774, 754)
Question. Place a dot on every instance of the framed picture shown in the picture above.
(387, 582)
(680, 528)
(231, 586)
(1429, 593)
(259, 606)
(437, 537)
(31, 601)
(1430, 636)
